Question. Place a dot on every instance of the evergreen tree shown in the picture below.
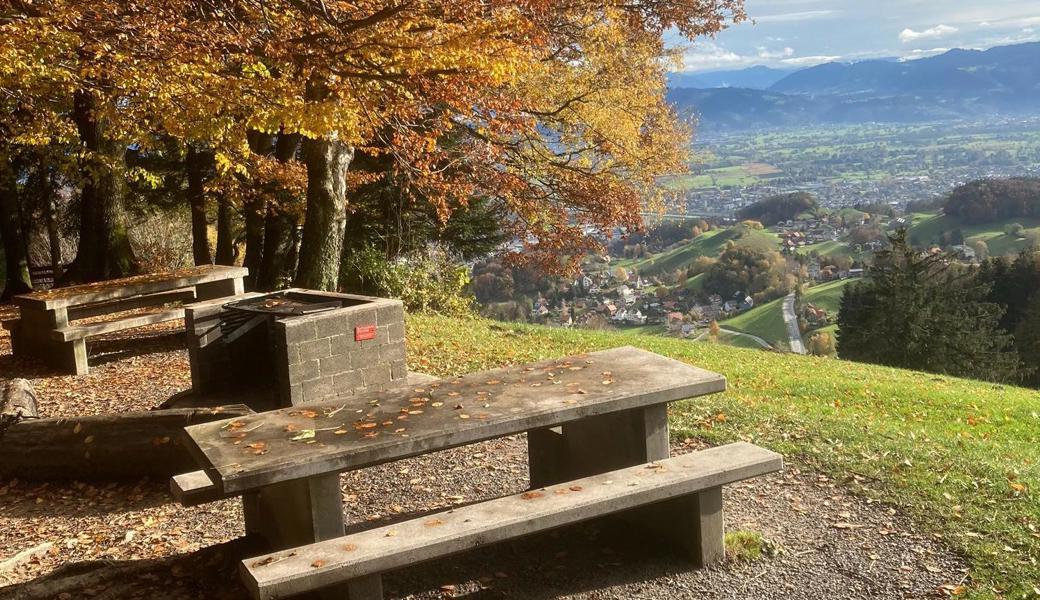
(918, 311)
(1027, 341)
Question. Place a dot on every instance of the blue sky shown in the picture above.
(796, 33)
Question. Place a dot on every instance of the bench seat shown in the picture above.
(79, 332)
(184, 295)
(357, 559)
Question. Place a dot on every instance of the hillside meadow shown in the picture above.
(958, 456)
(710, 244)
(927, 228)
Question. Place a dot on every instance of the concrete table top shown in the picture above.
(250, 452)
(128, 286)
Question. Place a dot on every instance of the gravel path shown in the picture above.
(829, 544)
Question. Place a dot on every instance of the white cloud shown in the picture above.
(794, 16)
(806, 61)
(922, 53)
(767, 54)
(706, 55)
(909, 35)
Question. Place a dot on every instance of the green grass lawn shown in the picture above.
(830, 248)
(765, 321)
(722, 177)
(710, 244)
(695, 283)
(960, 457)
(827, 295)
(927, 228)
(738, 341)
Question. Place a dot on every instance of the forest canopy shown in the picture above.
(290, 114)
(988, 200)
(782, 207)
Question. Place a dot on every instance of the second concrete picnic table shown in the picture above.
(44, 328)
(584, 414)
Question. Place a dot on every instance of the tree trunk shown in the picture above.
(254, 211)
(112, 446)
(322, 243)
(53, 237)
(225, 237)
(17, 265)
(276, 271)
(195, 164)
(104, 249)
(279, 263)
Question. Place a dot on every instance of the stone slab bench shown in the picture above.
(683, 494)
(45, 328)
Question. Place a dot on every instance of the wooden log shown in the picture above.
(29, 554)
(17, 402)
(105, 447)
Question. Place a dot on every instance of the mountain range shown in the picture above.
(957, 84)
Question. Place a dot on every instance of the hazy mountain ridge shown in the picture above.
(957, 84)
(755, 78)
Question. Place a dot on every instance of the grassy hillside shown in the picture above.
(695, 283)
(738, 341)
(831, 248)
(765, 321)
(927, 228)
(959, 456)
(710, 244)
(827, 295)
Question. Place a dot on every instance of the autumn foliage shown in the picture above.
(553, 110)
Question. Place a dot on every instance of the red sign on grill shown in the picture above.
(364, 332)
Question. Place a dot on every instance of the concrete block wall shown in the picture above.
(323, 360)
(315, 357)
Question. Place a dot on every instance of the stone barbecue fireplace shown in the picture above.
(295, 346)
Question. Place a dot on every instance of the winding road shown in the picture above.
(791, 321)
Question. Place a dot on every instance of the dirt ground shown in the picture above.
(129, 540)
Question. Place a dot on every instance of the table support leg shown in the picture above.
(32, 337)
(369, 587)
(597, 444)
(694, 524)
(546, 456)
(295, 513)
(218, 289)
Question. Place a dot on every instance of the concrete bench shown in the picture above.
(682, 497)
(45, 328)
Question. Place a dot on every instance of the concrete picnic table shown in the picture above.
(584, 415)
(43, 328)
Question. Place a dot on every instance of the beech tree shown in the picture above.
(553, 110)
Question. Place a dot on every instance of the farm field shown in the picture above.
(738, 176)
